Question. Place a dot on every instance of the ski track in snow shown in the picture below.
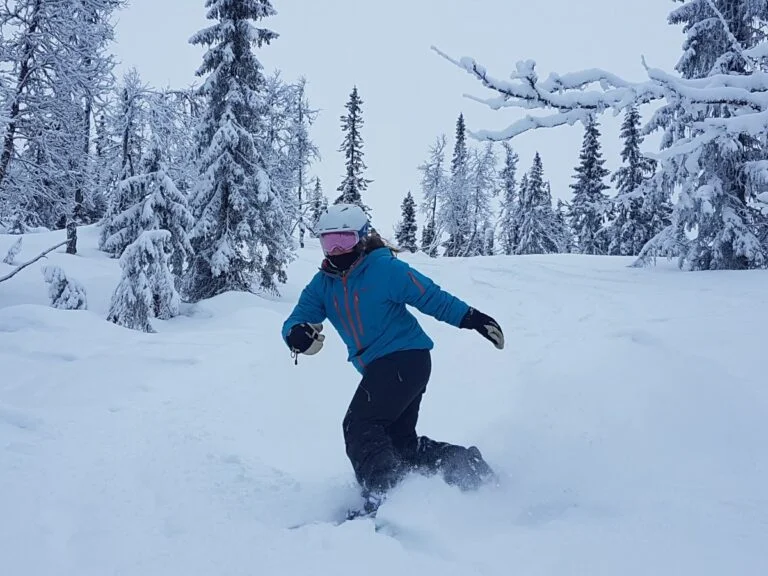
(627, 419)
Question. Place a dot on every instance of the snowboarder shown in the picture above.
(363, 289)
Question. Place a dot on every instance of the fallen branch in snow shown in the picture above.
(20, 267)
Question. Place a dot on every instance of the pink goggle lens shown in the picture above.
(338, 242)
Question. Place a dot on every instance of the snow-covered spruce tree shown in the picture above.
(143, 129)
(242, 240)
(406, 228)
(716, 199)
(630, 229)
(565, 240)
(122, 147)
(104, 162)
(590, 205)
(64, 293)
(490, 239)
(434, 183)
(319, 203)
(146, 289)
(482, 190)
(101, 171)
(160, 206)
(13, 251)
(657, 214)
(522, 201)
(538, 234)
(354, 183)
(509, 230)
(455, 203)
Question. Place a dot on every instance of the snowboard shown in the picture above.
(351, 515)
(469, 473)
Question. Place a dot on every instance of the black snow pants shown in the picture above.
(380, 428)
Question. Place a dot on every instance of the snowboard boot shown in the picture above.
(371, 503)
(465, 468)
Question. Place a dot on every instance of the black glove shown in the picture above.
(487, 326)
(305, 338)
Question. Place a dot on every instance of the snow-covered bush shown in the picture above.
(13, 251)
(146, 289)
(65, 293)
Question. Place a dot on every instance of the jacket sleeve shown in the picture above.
(310, 307)
(409, 286)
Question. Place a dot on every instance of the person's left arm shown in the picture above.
(409, 286)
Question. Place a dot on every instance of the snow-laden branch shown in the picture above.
(575, 97)
(568, 94)
(531, 123)
(561, 92)
(745, 90)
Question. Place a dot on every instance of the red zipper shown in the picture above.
(341, 316)
(343, 324)
(349, 314)
(357, 312)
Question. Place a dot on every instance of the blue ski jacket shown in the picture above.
(367, 306)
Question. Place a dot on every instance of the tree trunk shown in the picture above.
(78, 212)
(433, 215)
(71, 237)
(302, 229)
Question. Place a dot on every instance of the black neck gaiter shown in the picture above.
(344, 262)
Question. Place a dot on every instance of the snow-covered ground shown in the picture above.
(628, 417)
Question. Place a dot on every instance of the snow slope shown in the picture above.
(628, 417)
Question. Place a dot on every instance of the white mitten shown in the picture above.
(317, 337)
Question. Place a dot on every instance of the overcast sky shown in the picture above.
(410, 94)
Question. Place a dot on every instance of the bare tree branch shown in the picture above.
(20, 267)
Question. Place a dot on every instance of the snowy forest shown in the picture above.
(208, 189)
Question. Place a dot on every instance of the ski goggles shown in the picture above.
(334, 243)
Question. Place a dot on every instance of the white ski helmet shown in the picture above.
(343, 218)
